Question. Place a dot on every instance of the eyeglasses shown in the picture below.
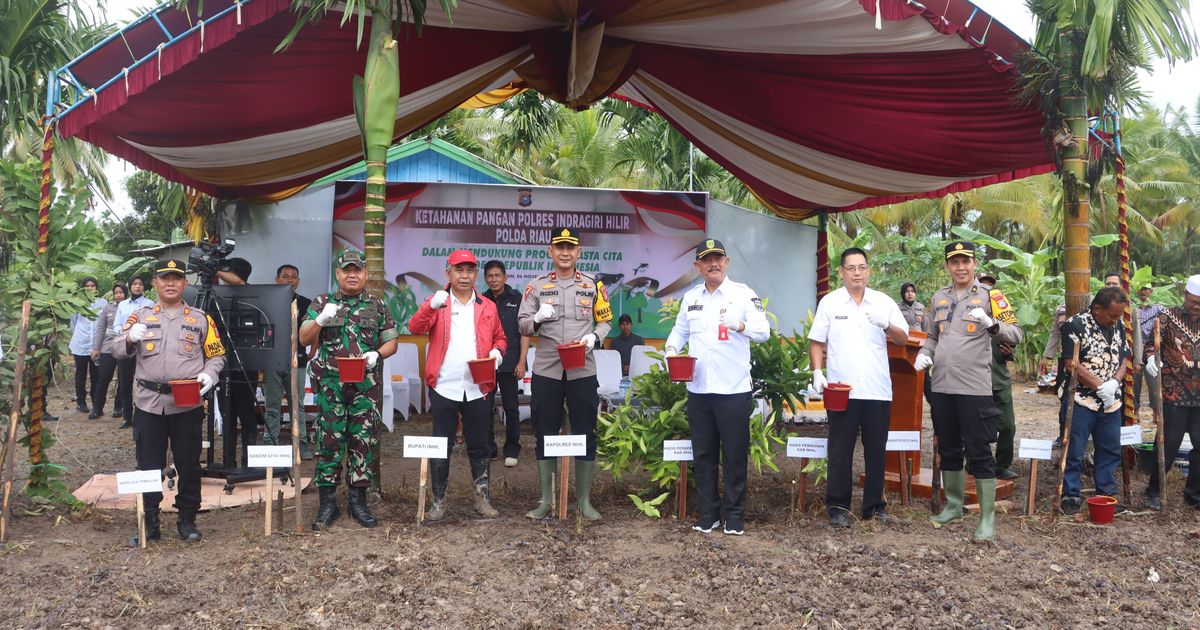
(856, 268)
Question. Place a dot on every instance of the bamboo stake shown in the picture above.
(6, 463)
(141, 517)
(422, 486)
(1030, 502)
(904, 479)
(1159, 444)
(1066, 443)
(270, 502)
(279, 508)
(298, 425)
(564, 474)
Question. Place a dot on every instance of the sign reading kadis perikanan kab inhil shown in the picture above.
(640, 244)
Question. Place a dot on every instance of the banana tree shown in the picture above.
(376, 97)
(1087, 55)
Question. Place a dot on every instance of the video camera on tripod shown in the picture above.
(208, 258)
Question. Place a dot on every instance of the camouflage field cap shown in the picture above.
(351, 256)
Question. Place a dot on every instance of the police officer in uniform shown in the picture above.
(348, 323)
(967, 317)
(565, 306)
(170, 341)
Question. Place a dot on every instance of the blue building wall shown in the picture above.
(431, 166)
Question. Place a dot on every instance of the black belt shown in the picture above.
(161, 388)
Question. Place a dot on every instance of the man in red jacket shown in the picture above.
(462, 327)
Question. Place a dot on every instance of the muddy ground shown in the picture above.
(68, 569)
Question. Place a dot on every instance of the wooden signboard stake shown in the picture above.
(6, 463)
(1066, 441)
(422, 486)
(141, 517)
(296, 406)
(564, 475)
(270, 502)
(904, 480)
(1029, 504)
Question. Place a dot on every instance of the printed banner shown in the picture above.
(640, 244)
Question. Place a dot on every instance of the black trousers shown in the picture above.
(476, 418)
(506, 384)
(582, 401)
(1176, 422)
(151, 435)
(720, 427)
(966, 426)
(242, 413)
(871, 419)
(105, 368)
(84, 368)
(125, 369)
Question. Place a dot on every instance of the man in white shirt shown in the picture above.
(462, 327)
(849, 340)
(717, 321)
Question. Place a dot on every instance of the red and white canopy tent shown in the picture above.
(817, 105)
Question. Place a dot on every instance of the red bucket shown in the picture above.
(352, 369)
(483, 371)
(837, 396)
(1102, 509)
(186, 393)
(681, 368)
(573, 355)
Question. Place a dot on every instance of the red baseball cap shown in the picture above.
(461, 256)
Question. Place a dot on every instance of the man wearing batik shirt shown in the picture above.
(1177, 358)
(1147, 314)
(1099, 335)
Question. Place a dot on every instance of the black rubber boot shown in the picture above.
(153, 528)
(439, 478)
(186, 526)
(327, 511)
(356, 498)
(481, 473)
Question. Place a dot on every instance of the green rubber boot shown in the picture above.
(546, 479)
(954, 485)
(985, 489)
(584, 473)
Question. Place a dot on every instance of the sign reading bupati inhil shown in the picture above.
(640, 244)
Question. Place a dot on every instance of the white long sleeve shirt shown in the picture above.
(82, 325)
(722, 365)
(125, 308)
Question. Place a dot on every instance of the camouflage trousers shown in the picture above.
(348, 422)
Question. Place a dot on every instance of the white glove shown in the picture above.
(497, 356)
(982, 317)
(544, 312)
(137, 332)
(206, 382)
(372, 358)
(670, 351)
(923, 362)
(589, 341)
(819, 381)
(1108, 392)
(327, 314)
(879, 319)
(1152, 368)
(439, 300)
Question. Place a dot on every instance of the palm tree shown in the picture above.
(376, 97)
(1088, 53)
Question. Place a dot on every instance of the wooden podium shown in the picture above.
(908, 398)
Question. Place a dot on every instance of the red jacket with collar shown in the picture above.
(488, 333)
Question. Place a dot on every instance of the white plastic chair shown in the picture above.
(608, 371)
(389, 397)
(407, 389)
(640, 361)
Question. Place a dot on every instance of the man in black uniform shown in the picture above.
(512, 367)
(170, 341)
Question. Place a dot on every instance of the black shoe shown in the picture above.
(1153, 503)
(153, 529)
(1005, 473)
(95, 414)
(840, 519)
(705, 527)
(882, 517)
(356, 498)
(82, 408)
(327, 510)
(1070, 505)
(186, 526)
(117, 413)
(49, 417)
(733, 527)
(125, 425)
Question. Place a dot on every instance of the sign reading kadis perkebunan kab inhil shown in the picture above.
(565, 445)
(265, 456)
(677, 450)
(640, 245)
(422, 447)
(812, 448)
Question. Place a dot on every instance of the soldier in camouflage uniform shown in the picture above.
(347, 323)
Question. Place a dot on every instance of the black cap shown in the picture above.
(709, 246)
(960, 248)
(564, 235)
(170, 266)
